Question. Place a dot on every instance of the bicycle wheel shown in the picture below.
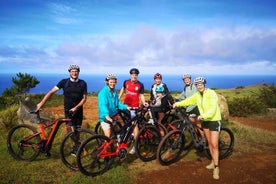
(88, 159)
(69, 147)
(177, 124)
(22, 142)
(226, 144)
(147, 142)
(171, 147)
(98, 129)
(162, 129)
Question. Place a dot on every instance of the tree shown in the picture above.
(22, 84)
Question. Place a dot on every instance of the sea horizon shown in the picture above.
(96, 82)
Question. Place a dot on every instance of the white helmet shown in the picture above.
(186, 76)
(110, 76)
(73, 66)
(200, 80)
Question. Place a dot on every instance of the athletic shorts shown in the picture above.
(105, 126)
(133, 113)
(211, 125)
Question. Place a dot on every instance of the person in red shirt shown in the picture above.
(134, 92)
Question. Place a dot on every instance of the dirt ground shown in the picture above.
(254, 168)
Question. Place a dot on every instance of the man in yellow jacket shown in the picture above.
(207, 102)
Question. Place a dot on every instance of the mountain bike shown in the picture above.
(101, 151)
(173, 144)
(25, 142)
(145, 146)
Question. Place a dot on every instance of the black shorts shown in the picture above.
(211, 125)
(76, 119)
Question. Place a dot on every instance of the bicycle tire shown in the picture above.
(15, 139)
(188, 137)
(147, 142)
(68, 144)
(171, 147)
(89, 163)
(161, 128)
(226, 144)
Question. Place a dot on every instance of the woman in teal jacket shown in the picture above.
(109, 103)
(207, 102)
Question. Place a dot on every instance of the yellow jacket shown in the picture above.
(207, 104)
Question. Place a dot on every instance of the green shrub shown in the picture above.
(8, 117)
(246, 106)
(268, 95)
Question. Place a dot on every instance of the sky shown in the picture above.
(111, 36)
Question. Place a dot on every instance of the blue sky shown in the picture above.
(112, 36)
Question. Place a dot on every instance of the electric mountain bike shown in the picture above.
(25, 142)
(187, 132)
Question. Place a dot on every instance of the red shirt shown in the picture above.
(133, 90)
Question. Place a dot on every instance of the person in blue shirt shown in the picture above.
(109, 103)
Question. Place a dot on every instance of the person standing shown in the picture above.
(157, 82)
(109, 103)
(134, 92)
(75, 95)
(210, 116)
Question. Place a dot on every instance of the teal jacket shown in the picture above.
(207, 104)
(109, 103)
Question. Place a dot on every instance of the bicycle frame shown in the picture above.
(197, 138)
(46, 143)
(125, 133)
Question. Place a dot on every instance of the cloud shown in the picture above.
(205, 49)
(63, 14)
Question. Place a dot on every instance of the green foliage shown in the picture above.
(21, 84)
(246, 106)
(268, 95)
(8, 117)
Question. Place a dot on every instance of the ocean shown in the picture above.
(174, 82)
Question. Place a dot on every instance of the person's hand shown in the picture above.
(146, 104)
(174, 105)
(200, 118)
(38, 107)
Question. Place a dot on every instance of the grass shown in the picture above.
(240, 92)
(51, 170)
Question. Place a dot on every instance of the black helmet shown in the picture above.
(134, 71)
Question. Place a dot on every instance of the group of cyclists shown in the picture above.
(196, 99)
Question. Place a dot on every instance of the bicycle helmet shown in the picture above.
(186, 76)
(159, 89)
(157, 75)
(134, 71)
(73, 66)
(110, 76)
(200, 80)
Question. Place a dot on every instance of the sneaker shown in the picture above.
(132, 151)
(211, 165)
(216, 173)
(74, 150)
